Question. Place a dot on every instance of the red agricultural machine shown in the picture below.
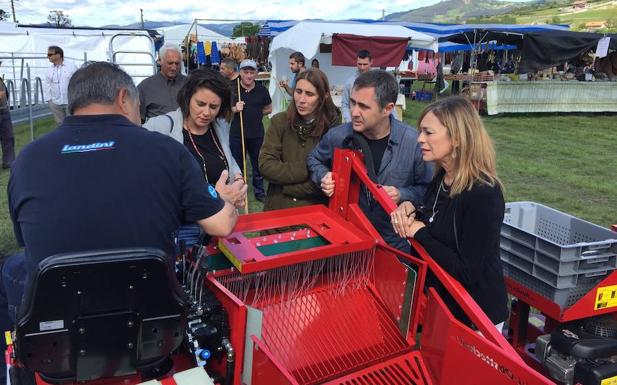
(312, 296)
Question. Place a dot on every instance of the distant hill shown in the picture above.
(454, 11)
(223, 29)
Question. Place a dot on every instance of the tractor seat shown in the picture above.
(100, 314)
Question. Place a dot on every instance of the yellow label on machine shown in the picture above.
(8, 337)
(609, 381)
(606, 297)
(232, 258)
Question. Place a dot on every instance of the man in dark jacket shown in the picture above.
(397, 158)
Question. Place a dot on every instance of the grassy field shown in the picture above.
(563, 13)
(567, 162)
(564, 161)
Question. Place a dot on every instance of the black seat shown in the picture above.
(100, 314)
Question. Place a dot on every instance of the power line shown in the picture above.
(13, 9)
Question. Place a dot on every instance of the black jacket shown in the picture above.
(464, 239)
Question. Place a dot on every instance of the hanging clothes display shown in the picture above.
(201, 54)
(215, 55)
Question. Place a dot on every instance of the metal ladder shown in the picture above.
(147, 58)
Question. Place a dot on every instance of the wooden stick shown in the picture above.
(246, 199)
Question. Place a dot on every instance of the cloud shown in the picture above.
(106, 12)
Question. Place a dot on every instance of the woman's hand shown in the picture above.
(238, 107)
(415, 226)
(402, 218)
(235, 192)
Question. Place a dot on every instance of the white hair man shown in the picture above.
(157, 94)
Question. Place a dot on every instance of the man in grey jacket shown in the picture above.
(397, 158)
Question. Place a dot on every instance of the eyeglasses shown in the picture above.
(51, 54)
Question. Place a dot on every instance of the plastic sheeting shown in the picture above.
(26, 47)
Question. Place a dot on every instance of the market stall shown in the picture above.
(550, 96)
(313, 39)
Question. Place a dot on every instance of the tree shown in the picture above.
(3, 15)
(59, 19)
(245, 29)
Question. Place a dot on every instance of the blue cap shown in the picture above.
(248, 63)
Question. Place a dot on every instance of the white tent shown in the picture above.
(23, 48)
(306, 37)
(177, 34)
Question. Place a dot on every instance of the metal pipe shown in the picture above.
(231, 358)
(30, 120)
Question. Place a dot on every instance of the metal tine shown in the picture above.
(348, 271)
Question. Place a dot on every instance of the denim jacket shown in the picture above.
(401, 166)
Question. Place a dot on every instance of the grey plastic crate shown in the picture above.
(555, 254)
(562, 297)
(557, 242)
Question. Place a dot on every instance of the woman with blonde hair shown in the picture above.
(460, 220)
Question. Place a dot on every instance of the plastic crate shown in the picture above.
(424, 96)
(544, 246)
(562, 297)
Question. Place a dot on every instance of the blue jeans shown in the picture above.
(12, 284)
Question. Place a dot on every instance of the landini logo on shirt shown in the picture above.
(71, 148)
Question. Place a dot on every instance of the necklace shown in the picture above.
(220, 154)
(441, 187)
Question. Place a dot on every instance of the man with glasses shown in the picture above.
(57, 82)
(158, 93)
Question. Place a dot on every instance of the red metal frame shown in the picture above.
(523, 332)
(243, 251)
(449, 352)
(236, 315)
(455, 354)
(352, 173)
(404, 369)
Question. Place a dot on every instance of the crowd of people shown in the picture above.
(144, 186)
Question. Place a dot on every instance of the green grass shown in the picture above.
(564, 161)
(22, 137)
(598, 11)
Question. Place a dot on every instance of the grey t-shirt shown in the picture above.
(157, 95)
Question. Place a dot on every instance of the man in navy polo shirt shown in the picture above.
(100, 181)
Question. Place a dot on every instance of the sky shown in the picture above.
(97, 13)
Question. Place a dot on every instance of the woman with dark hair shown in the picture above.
(460, 221)
(292, 135)
(202, 124)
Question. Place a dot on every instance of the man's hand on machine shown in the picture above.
(393, 193)
(235, 192)
(327, 184)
